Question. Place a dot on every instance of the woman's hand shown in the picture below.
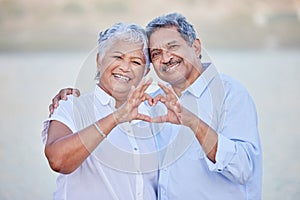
(129, 110)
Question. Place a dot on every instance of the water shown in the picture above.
(28, 81)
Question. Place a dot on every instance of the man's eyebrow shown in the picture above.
(172, 42)
(155, 49)
(168, 44)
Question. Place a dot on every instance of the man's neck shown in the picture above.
(179, 87)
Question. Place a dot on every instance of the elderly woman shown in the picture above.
(98, 142)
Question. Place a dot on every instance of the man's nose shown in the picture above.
(166, 56)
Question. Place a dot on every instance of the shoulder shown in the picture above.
(233, 86)
(236, 94)
(65, 107)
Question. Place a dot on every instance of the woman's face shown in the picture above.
(122, 66)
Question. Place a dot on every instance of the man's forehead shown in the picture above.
(163, 44)
(164, 37)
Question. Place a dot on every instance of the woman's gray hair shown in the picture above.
(185, 29)
(128, 32)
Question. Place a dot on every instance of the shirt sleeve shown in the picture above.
(238, 149)
(64, 114)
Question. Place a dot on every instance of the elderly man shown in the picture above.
(223, 160)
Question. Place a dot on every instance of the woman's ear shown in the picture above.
(97, 58)
(197, 46)
(98, 61)
(97, 76)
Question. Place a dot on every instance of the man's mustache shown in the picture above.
(166, 66)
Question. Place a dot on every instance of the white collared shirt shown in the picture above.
(186, 172)
(123, 166)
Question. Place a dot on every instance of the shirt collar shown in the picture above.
(103, 97)
(199, 85)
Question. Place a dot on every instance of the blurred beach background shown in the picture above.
(44, 46)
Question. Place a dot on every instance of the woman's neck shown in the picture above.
(119, 102)
(120, 97)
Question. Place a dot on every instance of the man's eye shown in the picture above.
(155, 54)
(173, 47)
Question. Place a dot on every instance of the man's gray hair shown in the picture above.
(185, 29)
(128, 32)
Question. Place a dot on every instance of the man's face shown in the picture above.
(121, 67)
(173, 59)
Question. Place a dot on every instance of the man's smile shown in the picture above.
(171, 65)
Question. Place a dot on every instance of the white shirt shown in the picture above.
(123, 166)
(186, 172)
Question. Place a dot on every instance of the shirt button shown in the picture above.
(135, 148)
(140, 197)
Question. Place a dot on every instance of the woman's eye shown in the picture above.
(136, 63)
(117, 57)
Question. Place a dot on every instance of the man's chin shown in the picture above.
(171, 76)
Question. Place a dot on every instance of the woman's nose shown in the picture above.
(125, 66)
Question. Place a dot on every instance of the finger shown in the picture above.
(169, 92)
(158, 98)
(141, 83)
(55, 101)
(76, 92)
(134, 91)
(159, 119)
(51, 109)
(131, 93)
(148, 98)
(178, 107)
(132, 96)
(139, 92)
(147, 84)
(143, 117)
(164, 88)
(142, 87)
(61, 94)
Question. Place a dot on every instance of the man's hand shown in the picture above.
(176, 113)
(62, 95)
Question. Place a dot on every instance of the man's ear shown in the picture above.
(197, 46)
